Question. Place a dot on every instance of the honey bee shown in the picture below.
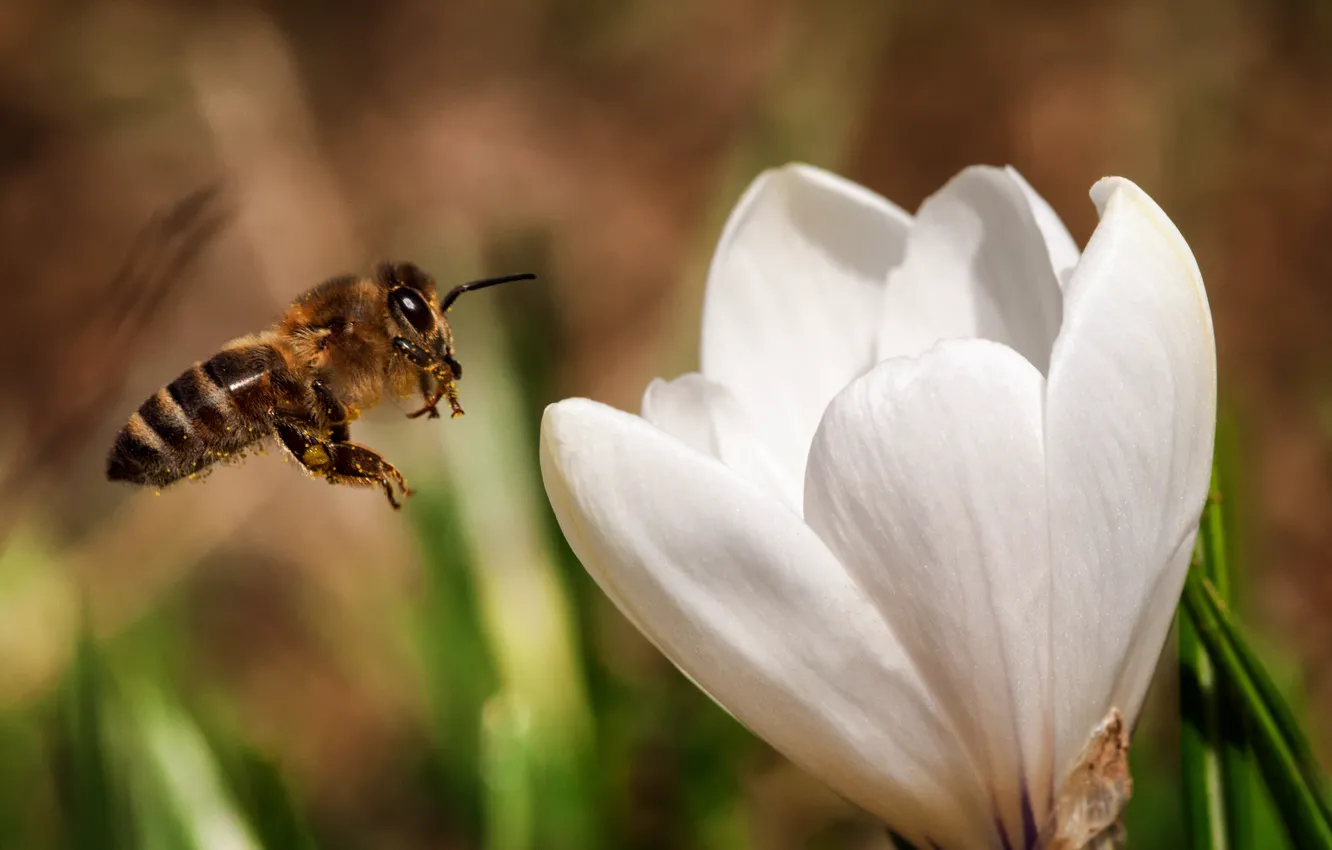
(337, 350)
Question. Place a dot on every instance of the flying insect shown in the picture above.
(337, 351)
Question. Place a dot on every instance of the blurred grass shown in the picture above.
(459, 672)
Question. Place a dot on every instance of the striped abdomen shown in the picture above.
(213, 410)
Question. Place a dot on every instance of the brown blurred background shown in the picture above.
(600, 143)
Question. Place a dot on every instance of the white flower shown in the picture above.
(922, 520)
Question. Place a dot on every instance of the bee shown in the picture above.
(335, 353)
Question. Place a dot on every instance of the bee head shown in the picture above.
(411, 300)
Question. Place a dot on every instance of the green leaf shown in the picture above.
(1200, 751)
(526, 613)
(263, 794)
(1275, 703)
(459, 668)
(94, 802)
(1217, 544)
(1214, 751)
(1282, 753)
(1237, 771)
(507, 771)
(253, 780)
(181, 781)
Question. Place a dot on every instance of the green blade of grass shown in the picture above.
(1214, 752)
(94, 807)
(527, 612)
(1283, 718)
(1278, 743)
(253, 780)
(1236, 769)
(1217, 543)
(262, 792)
(181, 777)
(1200, 755)
(458, 666)
(507, 769)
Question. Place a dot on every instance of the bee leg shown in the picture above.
(444, 387)
(432, 393)
(415, 353)
(444, 370)
(341, 462)
(334, 410)
(453, 372)
(451, 390)
(354, 464)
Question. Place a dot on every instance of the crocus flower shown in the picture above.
(922, 519)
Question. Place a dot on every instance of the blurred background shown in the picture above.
(264, 661)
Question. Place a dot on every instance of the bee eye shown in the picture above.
(412, 305)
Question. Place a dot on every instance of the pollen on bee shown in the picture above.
(315, 456)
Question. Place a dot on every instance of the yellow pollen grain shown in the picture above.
(315, 456)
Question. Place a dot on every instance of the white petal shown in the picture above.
(1058, 242)
(794, 296)
(752, 606)
(707, 417)
(976, 266)
(927, 479)
(1130, 419)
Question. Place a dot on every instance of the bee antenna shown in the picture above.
(481, 284)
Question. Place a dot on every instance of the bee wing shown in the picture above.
(161, 254)
(158, 259)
